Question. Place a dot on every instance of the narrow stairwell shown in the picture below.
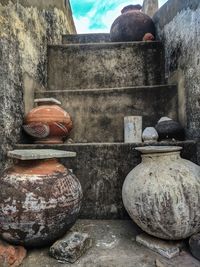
(99, 83)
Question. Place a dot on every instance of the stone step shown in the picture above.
(98, 114)
(102, 168)
(86, 38)
(105, 65)
(114, 245)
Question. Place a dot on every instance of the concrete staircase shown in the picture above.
(99, 83)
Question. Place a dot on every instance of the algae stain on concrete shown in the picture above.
(25, 32)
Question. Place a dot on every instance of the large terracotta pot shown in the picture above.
(131, 25)
(48, 123)
(39, 201)
(162, 194)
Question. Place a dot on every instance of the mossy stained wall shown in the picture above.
(26, 28)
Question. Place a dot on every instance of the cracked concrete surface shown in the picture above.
(114, 246)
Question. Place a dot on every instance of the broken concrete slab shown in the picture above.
(33, 154)
(71, 248)
(168, 249)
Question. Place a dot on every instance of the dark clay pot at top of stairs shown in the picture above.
(131, 25)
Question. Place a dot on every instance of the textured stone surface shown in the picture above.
(105, 65)
(71, 247)
(32, 154)
(177, 25)
(98, 115)
(11, 256)
(25, 29)
(167, 249)
(101, 169)
(150, 7)
(86, 38)
(114, 246)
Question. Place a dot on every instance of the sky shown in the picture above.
(98, 15)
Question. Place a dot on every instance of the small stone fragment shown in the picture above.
(71, 247)
(159, 264)
(194, 243)
(168, 249)
(11, 256)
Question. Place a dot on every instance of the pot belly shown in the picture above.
(38, 209)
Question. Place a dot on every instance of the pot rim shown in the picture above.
(158, 149)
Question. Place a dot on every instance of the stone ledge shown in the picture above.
(33, 154)
(86, 38)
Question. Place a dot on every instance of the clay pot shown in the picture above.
(131, 25)
(162, 194)
(169, 129)
(48, 123)
(40, 200)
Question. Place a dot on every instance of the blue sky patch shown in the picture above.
(98, 15)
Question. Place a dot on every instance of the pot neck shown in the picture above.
(174, 155)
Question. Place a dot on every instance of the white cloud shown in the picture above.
(82, 24)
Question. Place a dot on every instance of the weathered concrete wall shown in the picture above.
(98, 115)
(105, 65)
(26, 27)
(177, 24)
(150, 7)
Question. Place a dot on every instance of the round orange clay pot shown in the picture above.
(39, 201)
(48, 124)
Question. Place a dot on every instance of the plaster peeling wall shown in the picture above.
(25, 31)
(178, 26)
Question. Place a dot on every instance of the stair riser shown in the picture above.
(109, 65)
(98, 116)
(86, 38)
(101, 170)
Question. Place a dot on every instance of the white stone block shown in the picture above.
(133, 129)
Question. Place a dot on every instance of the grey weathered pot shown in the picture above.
(162, 193)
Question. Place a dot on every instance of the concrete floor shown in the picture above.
(114, 246)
